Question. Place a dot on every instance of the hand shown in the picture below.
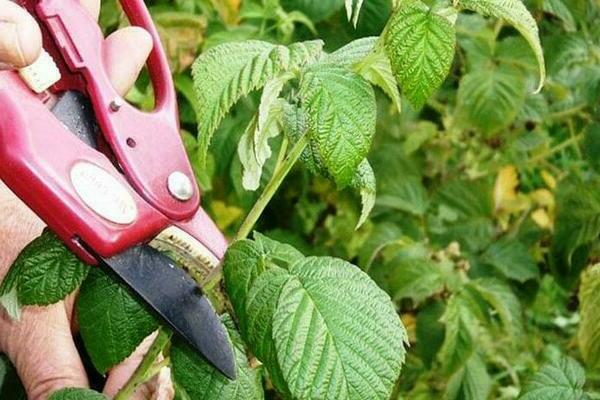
(41, 344)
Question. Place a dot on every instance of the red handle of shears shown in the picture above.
(147, 145)
(37, 153)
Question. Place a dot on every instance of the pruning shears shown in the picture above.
(113, 182)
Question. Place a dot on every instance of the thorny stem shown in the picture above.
(265, 197)
(147, 368)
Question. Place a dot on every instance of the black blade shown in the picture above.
(167, 289)
(178, 300)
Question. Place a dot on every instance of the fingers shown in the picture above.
(160, 388)
(125, 54)
(40, 344)
(41, 347)
(20, 37)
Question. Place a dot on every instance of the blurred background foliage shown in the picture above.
(488, 203)
(487, 216)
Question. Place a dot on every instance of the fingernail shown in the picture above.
(10, 46)
(11, 49)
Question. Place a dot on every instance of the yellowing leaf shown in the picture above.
(542, 219)
(229, 10)
(549, 180)
(225, 215)
(181, 35)
(544, 198)
(505, 188)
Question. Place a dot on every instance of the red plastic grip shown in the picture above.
(147, 144)
(37, 152)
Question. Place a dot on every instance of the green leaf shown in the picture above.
(332, 321)
(490, 98)
(341, 118)
(364, 182)
(255, 266)
(588, 335)
(77, 394)
(465, 211)
(383, 234)
(503, 302)
(471, 382)
(333, 332)
(420, 45)
(377, 69)
(458, 345)
(316, 10)
(516, 14)
(591, 145)
(577, 224)
(10, 385)
(201, 380)
(405, 193)
(415, 279)
(112, 321)
(429, 331)
(560, 379)
(353, 8)
(512, 259)
(223, 74)
(351, 53)
(45, 272)
(559, 9)
(10, 302)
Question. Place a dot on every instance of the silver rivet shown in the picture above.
(116, 104)
(180, 186)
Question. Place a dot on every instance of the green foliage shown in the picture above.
(312, 316)
(341, 122)
(200, 380)
(77, 394)
(10, 384)
(458, 345)
(316, 10)
(562, 378)
(420, 44)
(512, 259)
(577, 225)
(478, 201)
(45, 272)
(490, 98)
(472, 381)
(515, 13)
(112, 322)
(588, 335)
(225, 73)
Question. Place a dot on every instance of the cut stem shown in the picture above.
(147, 368)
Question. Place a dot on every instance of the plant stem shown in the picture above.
(265, 197)
(553, 150)
(146, 370)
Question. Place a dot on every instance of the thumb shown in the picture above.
(20, 37)
(41, 347)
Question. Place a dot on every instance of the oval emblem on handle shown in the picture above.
(103, 193)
